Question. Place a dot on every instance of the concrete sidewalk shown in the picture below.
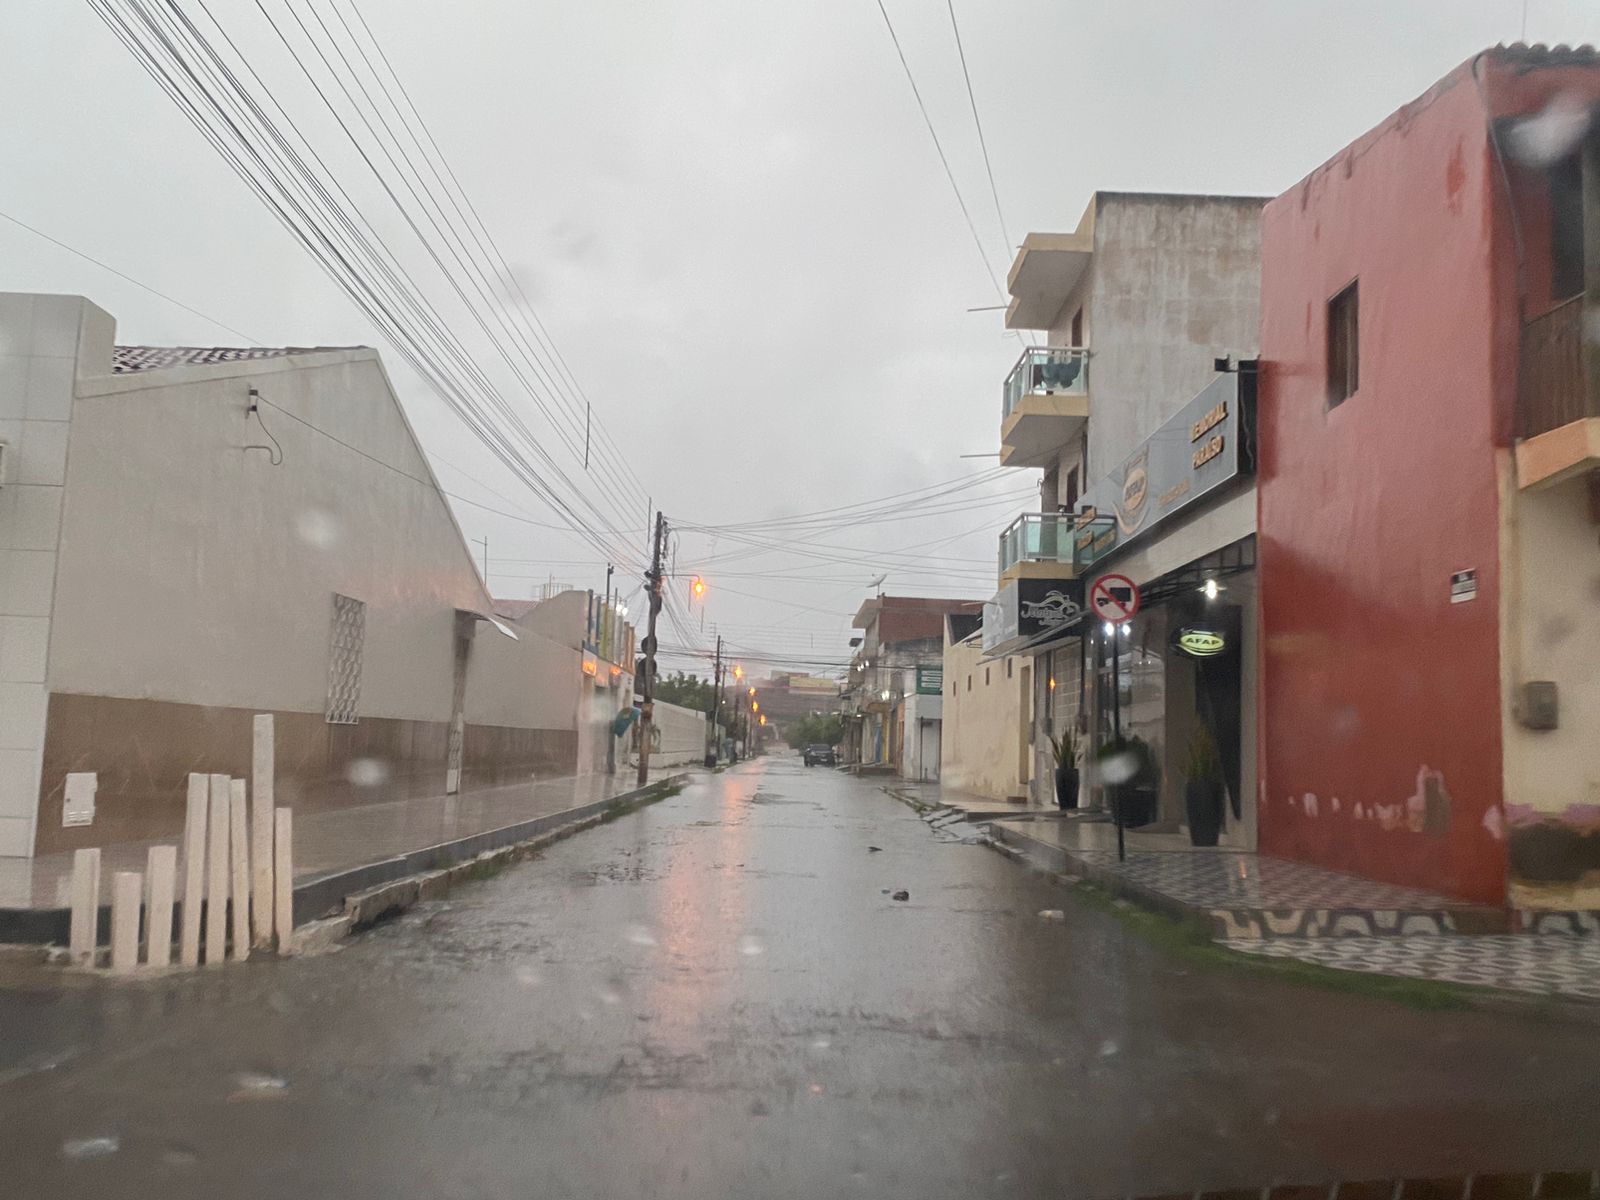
(344, 850)
(975, 807)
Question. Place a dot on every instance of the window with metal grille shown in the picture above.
(347, 634)
(1344, 345)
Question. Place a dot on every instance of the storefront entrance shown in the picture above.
(1173, 683)
(1177, 684)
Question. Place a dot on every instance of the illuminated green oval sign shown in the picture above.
(1200, 643)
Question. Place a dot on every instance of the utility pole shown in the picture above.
(715, 743)
(610, 618)
(652, 582)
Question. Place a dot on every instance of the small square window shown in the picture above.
(986, 677)
(1344, 345)
(969, 683)
(1008, 668)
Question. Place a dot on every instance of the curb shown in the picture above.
(324, 896)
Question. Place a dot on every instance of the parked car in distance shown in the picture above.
(820, 754)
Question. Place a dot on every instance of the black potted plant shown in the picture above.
(1141, 794)
(1112, 771)
(1202, 789)
(1066, 748)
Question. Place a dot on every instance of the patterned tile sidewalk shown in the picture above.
(1546, 966)
(1240, 880)
(1240, 894)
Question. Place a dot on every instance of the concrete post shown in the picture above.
(194, 871)
(239, 860)
(283, 879)
(217, 872)
(85, 931)
(161, 874)
(127, 893)
(262, 771)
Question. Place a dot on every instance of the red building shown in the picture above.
(1429, 557)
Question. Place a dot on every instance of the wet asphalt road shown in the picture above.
(713, 997)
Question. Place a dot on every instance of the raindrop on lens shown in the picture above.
(1544, 139)
(1119, 768)
(367, 772)
(90, 1147)
(317, 528)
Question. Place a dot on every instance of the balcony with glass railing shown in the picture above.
(1052, 546)
(1044, 402)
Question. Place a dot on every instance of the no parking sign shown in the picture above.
(1114, 598)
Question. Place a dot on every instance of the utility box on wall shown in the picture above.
(1538, 704)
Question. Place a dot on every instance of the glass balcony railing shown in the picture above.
(1047, 371)
(1036, 537)
(1055, 538)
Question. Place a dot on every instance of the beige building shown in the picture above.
(192, 536)
(987, 709)
(1147, 455)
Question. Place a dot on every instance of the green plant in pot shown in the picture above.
(1203, 789)
(1066, 747)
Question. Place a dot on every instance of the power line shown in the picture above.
(944, 161)
(212, 96)
(508, 274)
(982, 144)
(129, 278)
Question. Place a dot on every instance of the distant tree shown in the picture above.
(686, 691)
(815, 730)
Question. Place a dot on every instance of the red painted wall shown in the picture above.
(1370, 676)
(1373, 684)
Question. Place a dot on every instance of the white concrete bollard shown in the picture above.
(217, 872)
(283, 878)
(127, 894)
(238, 831)
(194, 870)
(161, 877)
(85, 931)
(262, 781)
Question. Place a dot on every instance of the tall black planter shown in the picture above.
(1140, 802)
(1066, 787)
(1202, 798)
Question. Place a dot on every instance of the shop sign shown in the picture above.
(1026, 609)
(930, 681)
(1199, 642)
(1199, 450)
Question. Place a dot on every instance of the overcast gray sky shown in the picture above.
(732, 221)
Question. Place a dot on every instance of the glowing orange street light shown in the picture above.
(752, 691)
(738, 671)
(755, 706)
(763, 718)
(698, 587)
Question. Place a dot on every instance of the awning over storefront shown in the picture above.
(1027, 611)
